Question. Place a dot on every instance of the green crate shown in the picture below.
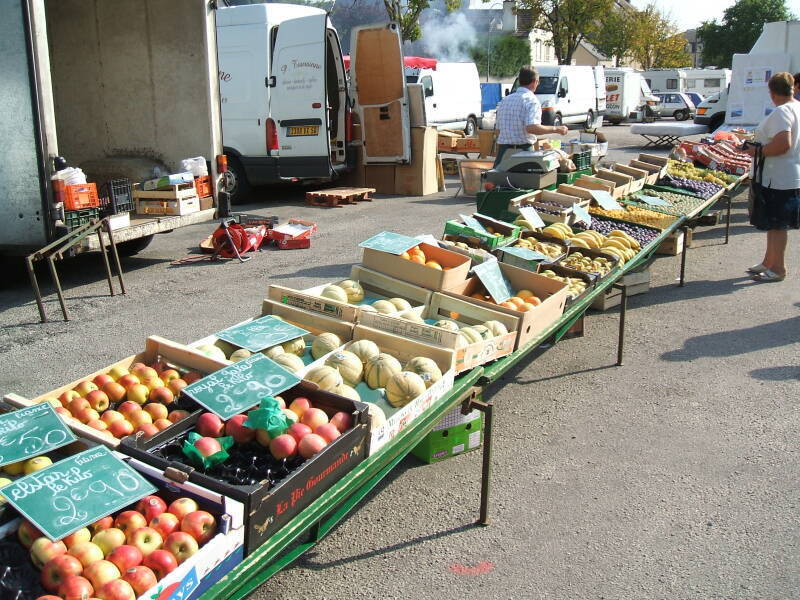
(489, 241)
(75, 218)
(568, 178)
(582, 160)
(494, 203)
(454, 435)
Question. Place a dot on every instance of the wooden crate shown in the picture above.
(673, 245)
(337, 197)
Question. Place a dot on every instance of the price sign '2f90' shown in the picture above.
(76, 492)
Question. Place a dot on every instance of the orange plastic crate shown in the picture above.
(78, 197)
(203, 186)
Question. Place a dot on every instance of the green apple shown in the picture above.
(36, 464)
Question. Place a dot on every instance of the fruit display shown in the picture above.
(616, 242)
(643, 235)
(416, 255)
(521, 301)
(350, 291)
(680, 204)
(600, 265)
(687, 170)
(575, 286)
(119, 557)
(141, 399)
(635, 214)
(549, 249)
(703, 189)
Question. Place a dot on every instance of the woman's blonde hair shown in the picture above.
(781, 84)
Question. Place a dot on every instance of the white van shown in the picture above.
(628, 98)
(284, 95)
(452, 95)
(571, 94)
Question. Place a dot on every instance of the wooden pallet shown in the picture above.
(336, 197)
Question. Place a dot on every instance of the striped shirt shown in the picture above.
(517, 111)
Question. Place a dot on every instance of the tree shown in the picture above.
(740, 27)
(657, 42)
(568, 22)
(616, 36)
(407, 14)
(507, 53)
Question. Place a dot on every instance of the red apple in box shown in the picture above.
(98, 424)
(177, 415)
(209, 425)
(85, 415)
(140, 578)
(148, 430)
(43, 550)
(116, 372)
(283, 446)
(64, 412)
(176, 385)
(128, 380)
(57, 569)
(235, 428)
(162, 395)
(162, 424)
(84, 387)
(129, 521)
(263, 438)
(146, 373)
(114, 391)
(101, 524)
(108, 539)
(328, 432)
(78, 404)
(75, 587)
(152, 383)
(201, 525)
(78, 537)
(120, 429)
(207, 446)
(156, 411)
(137, 367)
(161, 562)
(86, 552)
(118, 589)
(160, 366)
(127, 408)
(311, 444)
(299, 406)
(27, 533)
(126, 556)
(314, 417)
(101, 572)
(102, 379)
(146, 539)
(182, 507)
(138, 393)
(151, 507)
(110, 416)
(181, 545)
(168, 375)
(165, 524)
(298, 431)
(67, 397)
(192, 376)
(140, 418)
(342, 421)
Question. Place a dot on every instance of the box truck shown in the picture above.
(628, 98)
(452, 92)
(118, 88)
(571, 94)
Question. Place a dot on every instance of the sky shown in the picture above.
(688, 14)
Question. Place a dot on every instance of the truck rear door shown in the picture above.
(381, 96)
(298, 99)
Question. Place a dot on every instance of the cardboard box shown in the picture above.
(156, 349)
(418, 274)
(673, 245)
(444, 307)
(468, 144)
(316, 323)
(508, 233)
(636, 283)
(552, 293)
(487, 141)
(180, 207)
(206, 202)
(419, 177)
(376, 286)
(446, 141)
(380, 177)
(416, 105)
(404, 349)
(453, 435)
(168, 180)
(268, 508)
(638, 177)
(621, 181)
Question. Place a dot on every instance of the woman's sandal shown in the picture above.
(768, 277)
(759, 268)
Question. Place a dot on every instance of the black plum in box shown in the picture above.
(272, 490)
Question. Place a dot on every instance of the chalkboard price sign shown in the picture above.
(261, 333)
(531, 216)
(31, 431)
(76, 492)
(241, 386)
(581, 214)
(653, 200)
(494, 281)
(388, 241)
(605, 200)
(474, 224)
(525, 253)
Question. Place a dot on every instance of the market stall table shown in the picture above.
(666, 134)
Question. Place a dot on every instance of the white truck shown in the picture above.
(628, 98)
(571, 94)
(452, 92)
(117, 88)
(746, 101)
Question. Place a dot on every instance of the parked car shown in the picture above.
(696, 98)
(679, 106)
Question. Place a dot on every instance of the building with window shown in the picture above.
(694, 47)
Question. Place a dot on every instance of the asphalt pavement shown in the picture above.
(673, 476)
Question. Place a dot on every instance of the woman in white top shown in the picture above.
(776, 201)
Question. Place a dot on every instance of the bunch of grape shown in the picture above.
(643, 235)
(704, 189)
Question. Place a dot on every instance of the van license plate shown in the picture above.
(305, 130)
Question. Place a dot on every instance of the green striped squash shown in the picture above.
(378, 370)
(403, 387)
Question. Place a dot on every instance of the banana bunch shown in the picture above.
(600, 265)
(620, 244)
(575, 286)
(561, 231)
(457, 244)
(587, 239)
(551, 250)
(521, 222)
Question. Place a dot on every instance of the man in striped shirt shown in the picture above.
(519, 117)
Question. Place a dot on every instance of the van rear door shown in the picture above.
(381, 96)
(298, 102)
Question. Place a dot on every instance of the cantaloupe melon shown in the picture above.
(296, 346)
(327, 378)
(367, 308)
(212, 351)
(376, 416)
(348, 392)
(400, 303)
(363, 349)
(426, 368)
(447, 324)
(483, 331)
(348, 364)
(496, 327)
(334, 292)
(353, 289)
(378, 370)
(470, 335)
(324, 343)
(403, 387)
(384, 307)
(239, 354)
(273, 351)
(226, 347)
(291, 362)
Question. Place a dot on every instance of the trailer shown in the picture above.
(121, 89)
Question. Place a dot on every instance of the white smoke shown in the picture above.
(448, 38)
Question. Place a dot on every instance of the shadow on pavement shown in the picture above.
(776, 373)
(693, 289)
(738, 341)
(327, 271)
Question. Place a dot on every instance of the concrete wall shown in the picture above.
(134, 78)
